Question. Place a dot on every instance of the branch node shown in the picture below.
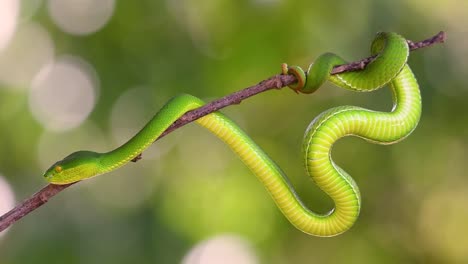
(278, 82)
(43, 197)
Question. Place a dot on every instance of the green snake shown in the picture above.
(389, 67)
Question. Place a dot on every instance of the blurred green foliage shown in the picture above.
(189, 187)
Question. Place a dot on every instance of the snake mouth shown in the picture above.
(54, 181)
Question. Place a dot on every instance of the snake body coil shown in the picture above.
(389, 67)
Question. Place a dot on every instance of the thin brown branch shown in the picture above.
(274, 82)
(359, 65)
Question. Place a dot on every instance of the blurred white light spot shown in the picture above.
(226, 249)
(63, 94)
(80, 17)
(9, 10)
(130, 113)
(29, 50)
(7, 198)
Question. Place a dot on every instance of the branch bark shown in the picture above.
(274, 82)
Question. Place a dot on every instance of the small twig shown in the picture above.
(359, 65)
(439, 38)
(275, 82)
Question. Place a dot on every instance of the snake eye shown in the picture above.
(58, 169)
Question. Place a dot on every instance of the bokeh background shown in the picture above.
(87, 74)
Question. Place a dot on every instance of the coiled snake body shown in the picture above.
(389, 67)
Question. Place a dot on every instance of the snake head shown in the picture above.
(75, 167)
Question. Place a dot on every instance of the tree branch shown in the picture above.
(274, 82)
